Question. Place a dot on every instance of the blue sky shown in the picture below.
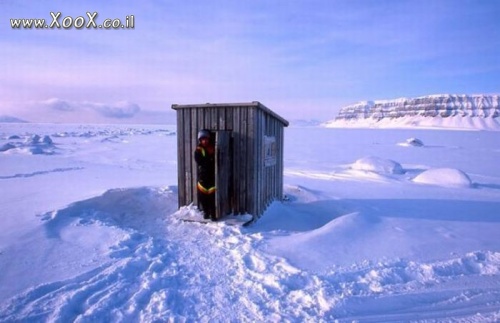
(302, 59)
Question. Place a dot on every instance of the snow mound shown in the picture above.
(447, 177)
(378, 165)
(298, 193)
(7, 146)
(412, 142)
(305, 248)
(139, 209)
(295, 214)
(32, 145)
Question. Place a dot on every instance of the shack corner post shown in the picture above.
(249, 140)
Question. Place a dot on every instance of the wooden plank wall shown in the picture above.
(270, 177)
(269, 185)
(254, 186)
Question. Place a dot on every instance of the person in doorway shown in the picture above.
(204, 155)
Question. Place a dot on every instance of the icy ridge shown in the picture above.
(443, 105)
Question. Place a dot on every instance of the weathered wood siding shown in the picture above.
(254, 184)
(270, 177)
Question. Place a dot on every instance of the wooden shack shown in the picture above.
(249, 141)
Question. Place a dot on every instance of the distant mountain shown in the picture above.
(446, 110)
(304, 123)
(9, 119)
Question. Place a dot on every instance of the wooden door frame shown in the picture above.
(223, 177)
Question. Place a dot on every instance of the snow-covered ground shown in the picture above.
(377, 226)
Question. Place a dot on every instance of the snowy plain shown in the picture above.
(378, 225)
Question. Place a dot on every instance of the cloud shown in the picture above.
(65, 111)
(58, 104)
(118, 110)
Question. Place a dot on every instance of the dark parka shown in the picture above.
(205, 167)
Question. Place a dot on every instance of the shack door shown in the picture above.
(222, 173)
